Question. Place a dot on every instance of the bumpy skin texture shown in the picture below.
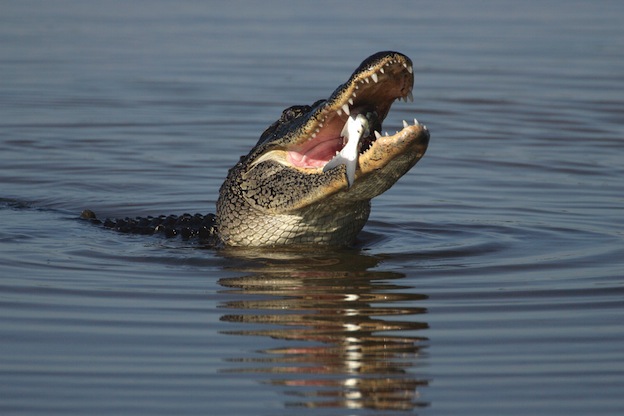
(257, 212)
(279, 195)
(186, 226)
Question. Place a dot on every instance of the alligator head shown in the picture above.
(280, 192)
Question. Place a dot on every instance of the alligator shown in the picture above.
(312, 174)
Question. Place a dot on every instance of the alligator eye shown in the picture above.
(293, 112)
(288, 115)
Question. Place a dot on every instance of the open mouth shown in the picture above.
(370, 91)
(346, 129)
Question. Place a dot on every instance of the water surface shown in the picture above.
(487, 281)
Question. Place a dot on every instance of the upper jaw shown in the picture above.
(378, 81)
(373, 87)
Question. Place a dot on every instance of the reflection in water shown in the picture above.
(347, 333)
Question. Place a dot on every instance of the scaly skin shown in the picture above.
(279, 195)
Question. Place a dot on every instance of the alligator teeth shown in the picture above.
(382, 70)
(345, 108)
(375, 77)
(377, 134)
(416, 123)
(351, 101)
(405, 124)
(410, 97)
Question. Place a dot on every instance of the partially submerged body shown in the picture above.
(312, 174)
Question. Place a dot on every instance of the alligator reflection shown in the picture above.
(348, 332)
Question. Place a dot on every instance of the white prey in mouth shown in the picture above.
(354, 129)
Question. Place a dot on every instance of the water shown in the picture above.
(488, 280)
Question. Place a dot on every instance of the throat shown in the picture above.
(317, 155)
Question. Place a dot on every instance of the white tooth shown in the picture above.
(405, 124)
(377, 134)
(320, 125)
(416, 122)
(345, 108)
(410, 96)
(353, 94)
(367, 80)
(339, 112)
(313, 135)
(383, 71)
(351, 101)
(375, 77)
(410, 69)
(386, 133)
(424, 127)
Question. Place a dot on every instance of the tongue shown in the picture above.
(353, 131)
(317, 156)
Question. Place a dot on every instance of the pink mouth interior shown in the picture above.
(315, 153)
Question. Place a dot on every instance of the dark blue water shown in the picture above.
(488, 281)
